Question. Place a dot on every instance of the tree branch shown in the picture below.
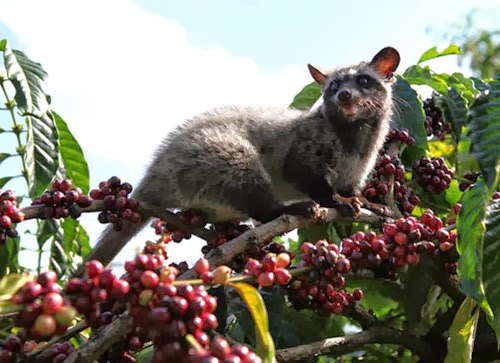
(113, 332)
(37, 211)
(365, 318)
(173, 220)
(342, 345)
(279, 226)
(445, 282)
(442, 323)
(95, 347)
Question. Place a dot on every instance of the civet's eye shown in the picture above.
(333, 85)
(363, 80)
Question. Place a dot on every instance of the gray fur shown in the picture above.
(233, 162)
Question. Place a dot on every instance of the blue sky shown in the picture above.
(296, 32)
(123, 73)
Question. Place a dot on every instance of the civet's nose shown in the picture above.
(344, 96)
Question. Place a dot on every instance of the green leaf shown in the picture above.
(417, 282)
(51, 230)
(465, 160)
(7, 308)
(491, 265)
(465, 86)
(221, 311)
(4, 180)
(4, 156)
(479, 84)
(145, 355)
(424, 76)
(307, 326)
(42, 153)
(10, 284)
(313, 232)
(72, 156)
(453, 194)
(409, 112)
(9, 256)
(76, 239)
(463, 333)
(3, 44)
(438, 148)
(255, 303)
(381, 296)
(437, 302)
(4, 259)
(455, 112)
(485, 133)
(471, 228)
(28, 79)
(307, 96)
(434, 53)
(46, 229)
(274, 300)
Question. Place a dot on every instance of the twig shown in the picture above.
(81, 326)
(393, 149)
(342, 345)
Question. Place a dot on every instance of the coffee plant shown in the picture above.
(420, 285)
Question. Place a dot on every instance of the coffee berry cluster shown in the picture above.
(432, 174)
(380, 185)
(46, 311)
(399, 244)
(62, 200)
(272, 269)
(190, 217)
(221, 351)
(224, 233)
(434, 122)
(402, 136)
(8, 215)
(220, 275)
(10, 347)
(470, 178)
(99, 294)
(117, 204)
(321, 287)
(258, 252)
(57, 353)
(228, 231)
(164, 312)
(13, 345)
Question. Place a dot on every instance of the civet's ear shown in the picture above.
(386, 61)
(318, 76)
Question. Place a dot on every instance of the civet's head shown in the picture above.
(359, 92)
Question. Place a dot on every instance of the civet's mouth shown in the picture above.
(349, 109)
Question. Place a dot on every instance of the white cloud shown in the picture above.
(122, 77)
